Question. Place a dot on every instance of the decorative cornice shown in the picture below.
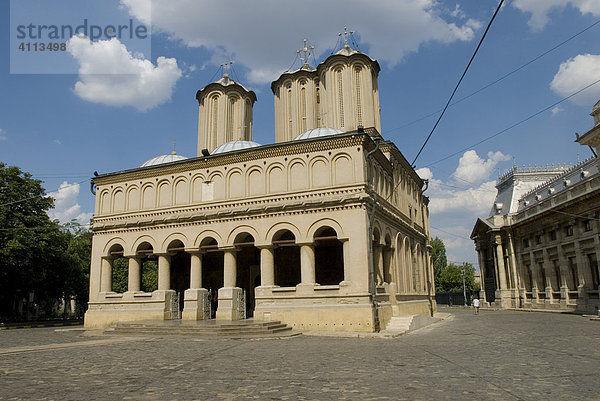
(289, 149)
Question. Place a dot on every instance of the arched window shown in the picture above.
(230, 132)
(329, 257)
(287, 259)
(120, 269)
(149, 274)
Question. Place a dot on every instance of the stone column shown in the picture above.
(229, 296)
(106, 275)
(164, 272)
(378, 263)
(548, 284)
(267, 266)
(386, 254)
(135, 274)
(307, 264)
(229, 268)
(500, 263)
(195, 298)
(195, 269)
(513, 261)
(481, 259)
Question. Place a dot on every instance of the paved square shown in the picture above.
(499, 355)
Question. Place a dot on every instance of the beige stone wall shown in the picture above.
(224, 115)
(301, 187)
(341, 93)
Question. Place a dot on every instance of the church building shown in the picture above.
(325, 229)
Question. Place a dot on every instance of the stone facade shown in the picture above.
(324, 233)
(539, 247)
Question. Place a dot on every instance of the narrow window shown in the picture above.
(303, 107)
(289, 104)
(340, 97)
(358, 97)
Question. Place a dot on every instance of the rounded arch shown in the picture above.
(112, 244)
(138, 242)
(377, 233)
(174, 237)
(276, 228)
(322, 223)
(214, 174)
(205, 235)
(233, 171)
(243, 229)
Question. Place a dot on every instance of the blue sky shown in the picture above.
(63, 127)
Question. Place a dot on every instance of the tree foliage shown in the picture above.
(438, 257)
(40, 261)
(451, 278)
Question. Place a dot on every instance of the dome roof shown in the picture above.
(233, 146)
(163, 159)
(317, 133)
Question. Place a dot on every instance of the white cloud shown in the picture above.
(263, 35)
(455, 205)
(3, 136)
(111, 75)
(557, 110)
(66, 207)
(575, 74)
(57, 142)
(540, 9)
(473, 169)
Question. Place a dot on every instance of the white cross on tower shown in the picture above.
(346, 34)
(306, 51)
(226, 67)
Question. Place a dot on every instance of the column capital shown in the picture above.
(231, 249)
(311, 244)
(498, 239)
(265, 246)
(193, 250)
(132, 255)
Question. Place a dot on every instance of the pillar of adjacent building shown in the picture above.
(501, 268)
(378, 263)
(548, 273)
(106, 275)
(164, 272)
(196, 305)
(513, 261)
(347, 264)
(482, 273)
(134, 278)
(229, 307)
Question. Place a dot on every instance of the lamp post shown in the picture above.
(464, 288)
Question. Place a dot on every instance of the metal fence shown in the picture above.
(455, 298)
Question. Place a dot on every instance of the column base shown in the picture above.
(229, 304)
(196, 305)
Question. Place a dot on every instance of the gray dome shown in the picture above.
(233, 146)
(318, 132)
(163, 159)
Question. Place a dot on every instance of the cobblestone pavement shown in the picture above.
(498, 355)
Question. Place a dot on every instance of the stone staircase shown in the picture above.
(248, 328)
(398, 325)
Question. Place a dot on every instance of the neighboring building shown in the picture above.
(326, 229)
(540, 245)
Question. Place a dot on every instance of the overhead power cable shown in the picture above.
(513, 125)
(459, 82)
(494, 82)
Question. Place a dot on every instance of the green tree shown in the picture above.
(41, 263)
(438, 256)
(451, 278)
